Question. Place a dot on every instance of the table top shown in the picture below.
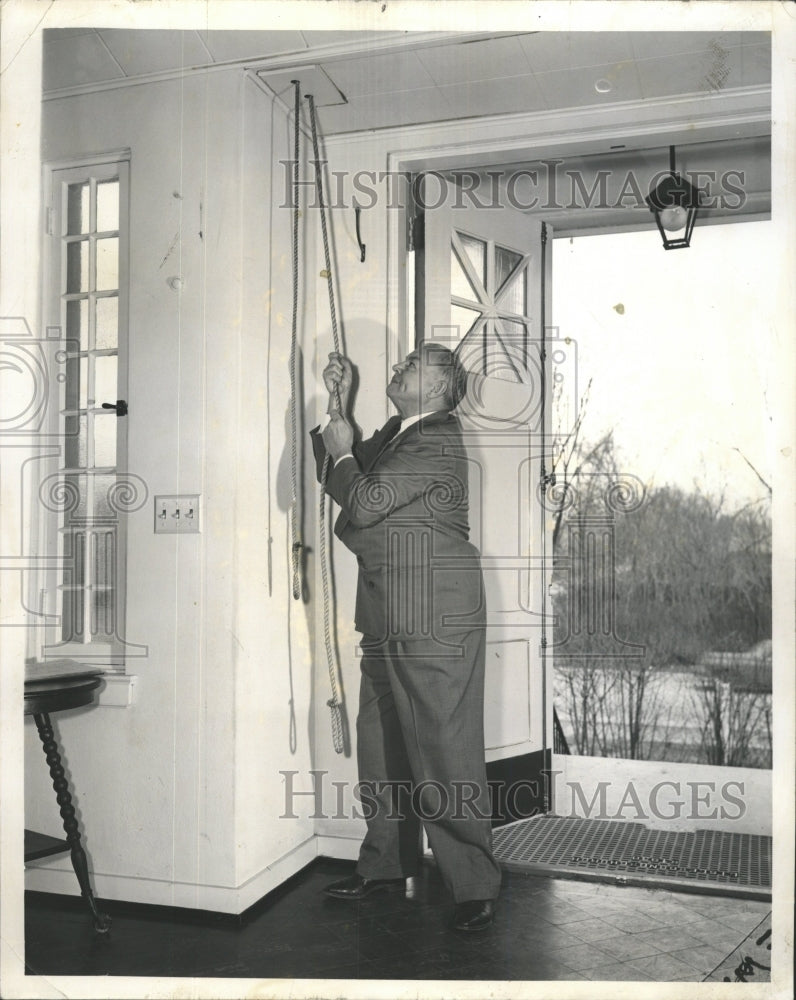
(53, 694)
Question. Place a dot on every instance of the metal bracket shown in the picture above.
(357, 211)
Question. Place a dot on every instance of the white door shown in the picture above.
(481, 278)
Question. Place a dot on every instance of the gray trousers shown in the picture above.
(420, 751)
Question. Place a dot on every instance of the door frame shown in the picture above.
(492, 141)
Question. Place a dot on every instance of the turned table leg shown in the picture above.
(101, 921)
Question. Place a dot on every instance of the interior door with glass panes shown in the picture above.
(86, 303)
(480, 288)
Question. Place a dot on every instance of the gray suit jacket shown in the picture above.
(404, 514)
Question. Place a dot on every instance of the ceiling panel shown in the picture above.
(756, 64)
(226, 46)
(379, 75)
(484, 60)
(696, 72)
(548, 51)
(384, 110)
(313, 81)
(577, 88)
(506, 96)
(658, 44)
(71, 59)
(139, 52)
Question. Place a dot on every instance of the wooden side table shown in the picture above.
(43, 696)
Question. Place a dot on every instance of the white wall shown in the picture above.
(177, 792)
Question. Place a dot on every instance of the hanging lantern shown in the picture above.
(674, 203)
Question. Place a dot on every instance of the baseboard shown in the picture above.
(59, 878)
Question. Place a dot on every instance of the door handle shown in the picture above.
(120, 406)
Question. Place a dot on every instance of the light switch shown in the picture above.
(177, 514)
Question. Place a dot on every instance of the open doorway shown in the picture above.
(663, 587)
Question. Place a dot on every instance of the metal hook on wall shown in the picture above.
(357, 211)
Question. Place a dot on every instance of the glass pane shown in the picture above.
(476, 251)
(461, 286)
(105, 380)
(105, 439)
(68, 495)
(77, 266)
(505, 262)
(103, 491)
(75, 442)
(463, 320)
(504, 354)
(77, 324)
(103, 551)
(107, 263)
(72, 614)
(82, 398)
(514, 337)
(512, 332)
(74, 580)
(512, 298)
(77, 210)
(73, 383)
(107, 206)
(107, 328)
(102, 613)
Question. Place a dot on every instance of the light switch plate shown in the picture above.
(177, 514)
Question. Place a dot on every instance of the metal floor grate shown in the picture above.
(706, 860)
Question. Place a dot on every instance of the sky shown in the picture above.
(681, 350)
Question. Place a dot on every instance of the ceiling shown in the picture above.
(370, 80)
(362, 81)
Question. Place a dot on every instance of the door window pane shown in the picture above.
(77, 209)
(102, 614)
(107, 264)
(77, 324)
(463, 319)
(74, 383)
(76, 441)
(461, 286)
(512, 297)
(476, 253)
(107, 206)
(105, 380)
(107, 323)
(105, 439)
(77, 266)
(101, 497)
(505, 262)
(74, 498)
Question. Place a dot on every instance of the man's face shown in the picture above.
(413, 387)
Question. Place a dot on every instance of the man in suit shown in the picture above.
(403, 497)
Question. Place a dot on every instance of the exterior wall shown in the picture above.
(176, 792)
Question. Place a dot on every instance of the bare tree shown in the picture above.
(691, 577)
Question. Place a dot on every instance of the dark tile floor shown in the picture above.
(545, 929)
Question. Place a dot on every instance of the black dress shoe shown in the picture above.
(357, 887)
(474, 915)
